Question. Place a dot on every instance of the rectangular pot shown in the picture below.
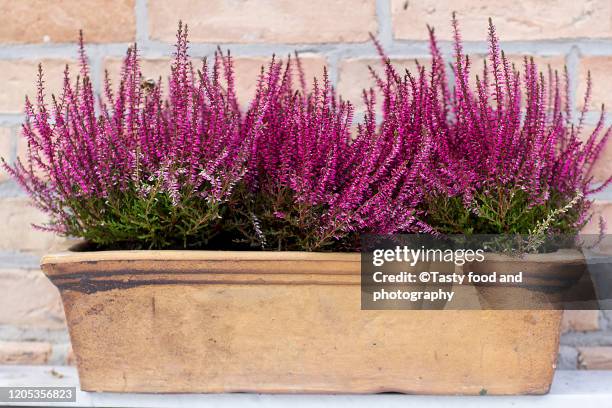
(281, 322)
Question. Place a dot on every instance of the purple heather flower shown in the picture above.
(133, 139)
(509, 130)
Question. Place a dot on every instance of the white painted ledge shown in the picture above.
(575, 389)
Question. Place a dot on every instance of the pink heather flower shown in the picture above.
(340, 184)
(133, 140)
(508, 130)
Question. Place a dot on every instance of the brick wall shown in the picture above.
(577, 33)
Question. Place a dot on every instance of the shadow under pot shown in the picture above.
(530, 282)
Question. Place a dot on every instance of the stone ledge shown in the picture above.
(570, 389)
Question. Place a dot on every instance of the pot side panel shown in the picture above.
(314, 338)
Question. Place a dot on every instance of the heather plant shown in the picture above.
(310, 186)
(143, 166)
(507, 155)
(138, 170)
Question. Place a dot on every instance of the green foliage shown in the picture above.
(512, 223)
(275, 220)
(128, 220)
(504, 211)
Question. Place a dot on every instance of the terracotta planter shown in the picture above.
(548, 280)
(177, 321)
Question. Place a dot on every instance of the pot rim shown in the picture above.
(71, 255)
(559, 256)
(80, 271)
(195, 255)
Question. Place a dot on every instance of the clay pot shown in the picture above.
(547, 279)
(281, 322)
(395, 268)
(599, 263)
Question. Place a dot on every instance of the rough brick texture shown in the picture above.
(580, 320)
(152, 68)
(59, 21)
(17, 352)
(556, 62)
(595, 358)
(601, 92)
(28, 299)
(17, 234)
(354, 76)
(522, 20)
(6, 149)
(18, 79)
(603, 169)
(256, 21)
(247, 70)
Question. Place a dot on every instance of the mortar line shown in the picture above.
(572, 62)
(142, 22)
(333, 69)
(11, 119)
(13, 145)
(385, 25)
(410, 47)
(601, 337)
(605, 320)
(54, 335)
(96, 62)
(59, 353)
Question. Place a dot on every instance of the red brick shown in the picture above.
(256, 21)
(18, 79)
(523, 20)
(24, 352)
(6, 150)
(580, 320)
(595, 358)
(29, 299)
(601, 91)
(59, 21)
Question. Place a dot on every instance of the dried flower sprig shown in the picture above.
(537, 235)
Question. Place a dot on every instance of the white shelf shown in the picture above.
(576, 389)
